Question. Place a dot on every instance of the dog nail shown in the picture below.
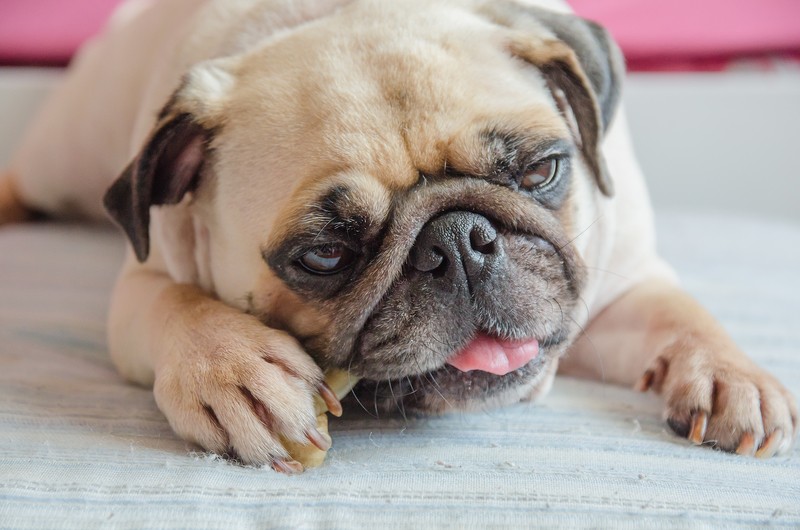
(645, 382)
(330, 399)
(320, 440)
(291, 467)
(770, 444)
(785, 446)
(698, 430)
(746, 445)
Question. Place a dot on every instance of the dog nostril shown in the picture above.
(482, 238)
(441, 270)
(429, 260)
(487, 248)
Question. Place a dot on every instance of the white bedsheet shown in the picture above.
(80, 448)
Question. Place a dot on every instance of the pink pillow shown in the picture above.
(48, 31)
(654, 35)
(675, 34)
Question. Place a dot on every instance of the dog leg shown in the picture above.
(657, 337)
(12, 210)
(223, 379)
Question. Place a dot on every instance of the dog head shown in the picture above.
(398, 185)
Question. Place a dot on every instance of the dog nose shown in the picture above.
(453, 242)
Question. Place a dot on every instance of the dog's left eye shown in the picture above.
(539, 175)
(327, 259)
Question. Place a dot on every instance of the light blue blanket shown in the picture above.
(80, 448)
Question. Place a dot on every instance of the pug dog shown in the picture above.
(437, 196)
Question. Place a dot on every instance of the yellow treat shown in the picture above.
(309, 455)
(341, 382)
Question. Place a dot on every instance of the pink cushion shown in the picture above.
(48, 31)
(653, 34)
(680, 32)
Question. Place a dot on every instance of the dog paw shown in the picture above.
(731, 405)
(241, 391)
(12, 210)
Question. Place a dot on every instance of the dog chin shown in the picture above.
(449, 389)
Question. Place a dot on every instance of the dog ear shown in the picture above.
(598, 56)
(172, 159)
(582, 66)
(166, 169)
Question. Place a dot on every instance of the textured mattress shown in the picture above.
(80, 448)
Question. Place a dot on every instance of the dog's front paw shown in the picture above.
(12, 210)
(728, 403)
(240, 389)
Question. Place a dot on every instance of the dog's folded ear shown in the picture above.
(172, 159)
(581, 64)
(167, 168)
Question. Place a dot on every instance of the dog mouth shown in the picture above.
(493, 355)
(488, 371)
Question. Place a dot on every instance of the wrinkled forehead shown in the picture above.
(372, 100)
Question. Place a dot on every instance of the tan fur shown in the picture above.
(298, 112)
(12, 209)
(691, 361)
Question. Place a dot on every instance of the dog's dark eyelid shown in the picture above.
(556, 149)
(514, 153)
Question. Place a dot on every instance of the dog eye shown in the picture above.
(327, 259)
(539, 174)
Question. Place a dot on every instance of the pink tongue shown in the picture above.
(495, 356)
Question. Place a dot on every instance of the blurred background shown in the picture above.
(713, 94)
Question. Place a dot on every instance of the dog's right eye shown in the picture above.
(539, 175)
(327, 259)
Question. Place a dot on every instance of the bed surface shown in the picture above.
(80, 448)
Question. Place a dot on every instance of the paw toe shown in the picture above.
(771, 444)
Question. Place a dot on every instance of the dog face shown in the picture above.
(400, 194)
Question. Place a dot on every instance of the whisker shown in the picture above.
(355, 394)
(322, 230)
(398, 402)
(375, 398)
(598, 269)
(411, 385)
(580, 234)
(595, 350)
(585, 306)
(561, 324)
(436, 388)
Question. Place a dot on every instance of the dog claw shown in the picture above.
(747, 445)
(290, 467)
(645, 382)
(329, 397)
(770, 445)
(697, 432)
(320, 440)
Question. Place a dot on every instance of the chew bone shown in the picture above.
(340, 382)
